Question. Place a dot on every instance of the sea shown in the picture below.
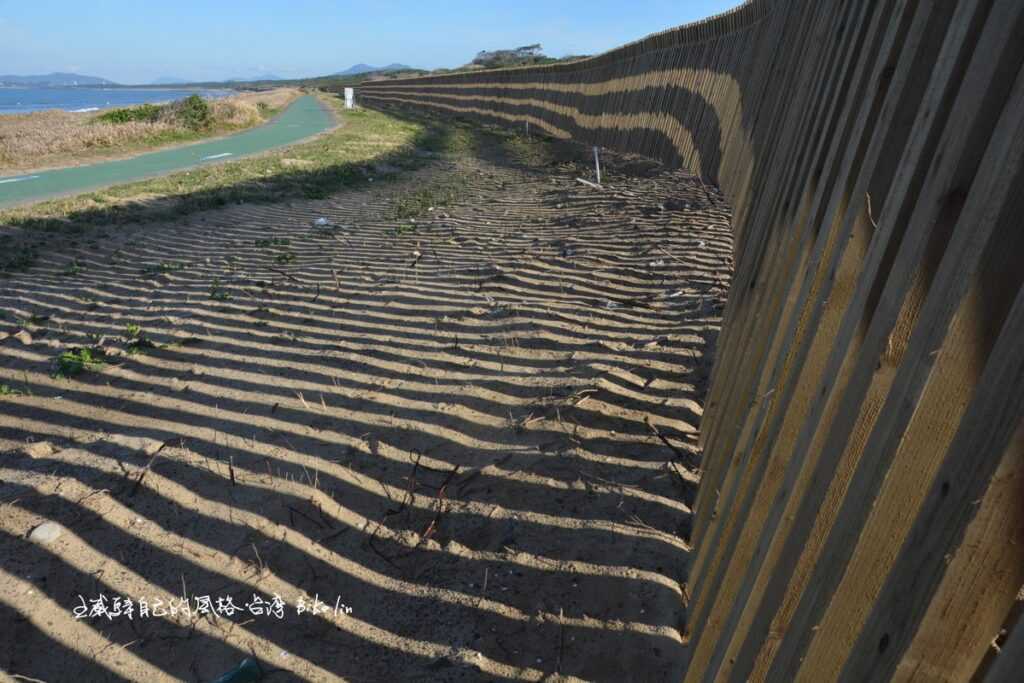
(23, 100)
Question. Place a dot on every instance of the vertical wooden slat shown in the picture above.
(865, 359)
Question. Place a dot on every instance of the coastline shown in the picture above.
(6, 109)
(209, 165)
(127, 150)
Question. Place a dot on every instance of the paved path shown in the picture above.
(303, 118)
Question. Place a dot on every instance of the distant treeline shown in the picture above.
(527, 55)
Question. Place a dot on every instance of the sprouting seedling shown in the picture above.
(33, 320)
(72, 268)
(272, 242)
(217, 291)
(136, 339)
(76, 361)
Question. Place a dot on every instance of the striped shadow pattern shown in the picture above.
(860, 515)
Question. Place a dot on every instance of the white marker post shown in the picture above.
(597, 165)
(350, 98)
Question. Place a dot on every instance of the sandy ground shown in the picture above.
(444, 431)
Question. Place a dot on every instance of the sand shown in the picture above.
(444, 431)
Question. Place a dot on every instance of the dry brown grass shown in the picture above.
(56, 138)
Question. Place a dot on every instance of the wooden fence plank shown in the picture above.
(871, 153)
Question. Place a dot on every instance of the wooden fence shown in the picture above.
(861, 512)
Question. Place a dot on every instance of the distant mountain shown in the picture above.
(169, 80)
(54, 80)
(366, 68)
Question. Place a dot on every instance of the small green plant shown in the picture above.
(136, 341)
(163, 267)
(33, 320)
(272, 242)
(217, 291)
(285, 257)
(72, 268)
(76, 361)
(424, 200)
(8, 390)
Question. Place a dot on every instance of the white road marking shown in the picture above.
(216, 156)
(18, 180)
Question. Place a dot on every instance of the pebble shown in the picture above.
(24, 337)
(46, 533)
(39, 449)
(141, 444)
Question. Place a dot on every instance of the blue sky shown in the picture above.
(138, 41)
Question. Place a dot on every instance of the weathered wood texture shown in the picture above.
(861, 512)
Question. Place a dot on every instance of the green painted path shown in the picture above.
(303, 118)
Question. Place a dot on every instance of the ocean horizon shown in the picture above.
(25, 100)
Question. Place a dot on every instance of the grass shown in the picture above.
(57, 138)
(347, 156)
(425, 199)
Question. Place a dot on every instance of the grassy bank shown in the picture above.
(368, 147)
(59, 138)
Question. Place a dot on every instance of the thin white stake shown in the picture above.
(597, 165)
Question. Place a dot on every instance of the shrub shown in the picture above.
(143, 112)
(195, 112)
